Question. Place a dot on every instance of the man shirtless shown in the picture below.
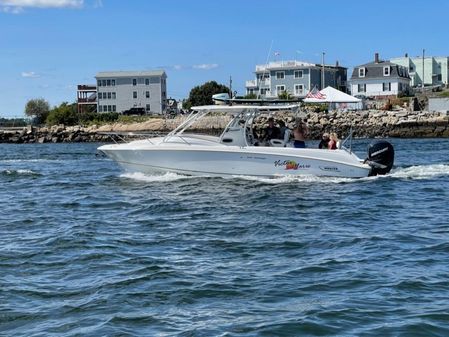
(300, 133)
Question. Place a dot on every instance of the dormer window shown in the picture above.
(387, 71)
(361, 72)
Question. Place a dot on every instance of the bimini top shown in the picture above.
(237, 108)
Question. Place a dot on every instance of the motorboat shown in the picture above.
(237, 152)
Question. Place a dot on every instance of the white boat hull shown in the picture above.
(209, 158)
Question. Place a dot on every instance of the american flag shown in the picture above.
(314, 93)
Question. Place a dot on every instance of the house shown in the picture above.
(124, 90)
(294, 77)
(434, 69)
(380, 79)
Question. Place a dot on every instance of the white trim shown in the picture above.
(362, 72)
(280, 72)
(298, 92)
(388, 72)
(298, 71)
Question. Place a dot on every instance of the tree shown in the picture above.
(250, 96)
(202, 95)
(285, 95)
(38, 108)
(64, 114)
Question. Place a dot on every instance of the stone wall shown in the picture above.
(365, 124)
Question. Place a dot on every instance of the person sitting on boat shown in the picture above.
(300, 133)
(271, 131)
(324, 141)
(333, 141)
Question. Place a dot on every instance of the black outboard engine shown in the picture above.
(380, 157)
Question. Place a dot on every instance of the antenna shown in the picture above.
(266, 66)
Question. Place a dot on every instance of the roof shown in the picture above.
(333, 95)
(130, 73)
(375, 70)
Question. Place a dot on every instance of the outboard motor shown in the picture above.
(380, 157)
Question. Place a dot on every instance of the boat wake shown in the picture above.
(412, 172)
(167, 177)
(12, 172)
(420, 172)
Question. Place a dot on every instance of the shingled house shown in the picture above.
(380, 79)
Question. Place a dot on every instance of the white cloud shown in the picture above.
(205, 66)
(30, 74)
(17, 6)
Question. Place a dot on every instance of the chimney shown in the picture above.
(337, 64)
(406, 54)
(376, 57)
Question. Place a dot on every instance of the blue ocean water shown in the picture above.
(88, 250)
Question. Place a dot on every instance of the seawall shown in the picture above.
(365, 124)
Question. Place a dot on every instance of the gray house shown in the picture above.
(294, 77)
(122, 90)
(380, 79)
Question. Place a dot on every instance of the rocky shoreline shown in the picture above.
(365, 124)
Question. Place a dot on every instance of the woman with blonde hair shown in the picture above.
(333, 142)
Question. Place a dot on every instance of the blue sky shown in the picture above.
(47, 47)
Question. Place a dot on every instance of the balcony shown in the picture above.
(251, 84)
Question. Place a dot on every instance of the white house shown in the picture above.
(380, 79)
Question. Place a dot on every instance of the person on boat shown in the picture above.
(285, 132)
(271, 131)
(300, 133)
(324, 141)
(333, 141)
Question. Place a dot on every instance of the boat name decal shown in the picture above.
(329, 168)
(290, 164)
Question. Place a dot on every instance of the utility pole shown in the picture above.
(230, 87)
(423, 70)
(322, 71)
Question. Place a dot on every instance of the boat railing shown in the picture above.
(348, 139)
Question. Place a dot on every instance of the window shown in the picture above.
(105, 108)
(147, 94)
(113, 83)
(147, 107)
(103, 83)
(134, 81)
(99, 95)
(264, 91)
(109, 95)
(386, 86)
(100, 108)
(299, 89)
(361, 72)
(280, 89)
(298, 74)
(114, 95)
(109, 108)
(134, 94)
(99, 83)
(387, 71)
(439, 77)
(147, 81)
(399, 86)
(361, 87)
(411, 68)
(114, 108)
(108, 83)
(280, 75)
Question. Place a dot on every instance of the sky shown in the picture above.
(48, 47)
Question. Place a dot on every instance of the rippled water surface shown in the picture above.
(87, 250)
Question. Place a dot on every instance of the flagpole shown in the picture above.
(322, 71)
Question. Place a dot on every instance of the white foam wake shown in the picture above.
(421, 171)
(154, 178)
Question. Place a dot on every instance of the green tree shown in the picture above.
(250, 96)
(202, 94)
(37, 108)
(64, 114)
(285, 95)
